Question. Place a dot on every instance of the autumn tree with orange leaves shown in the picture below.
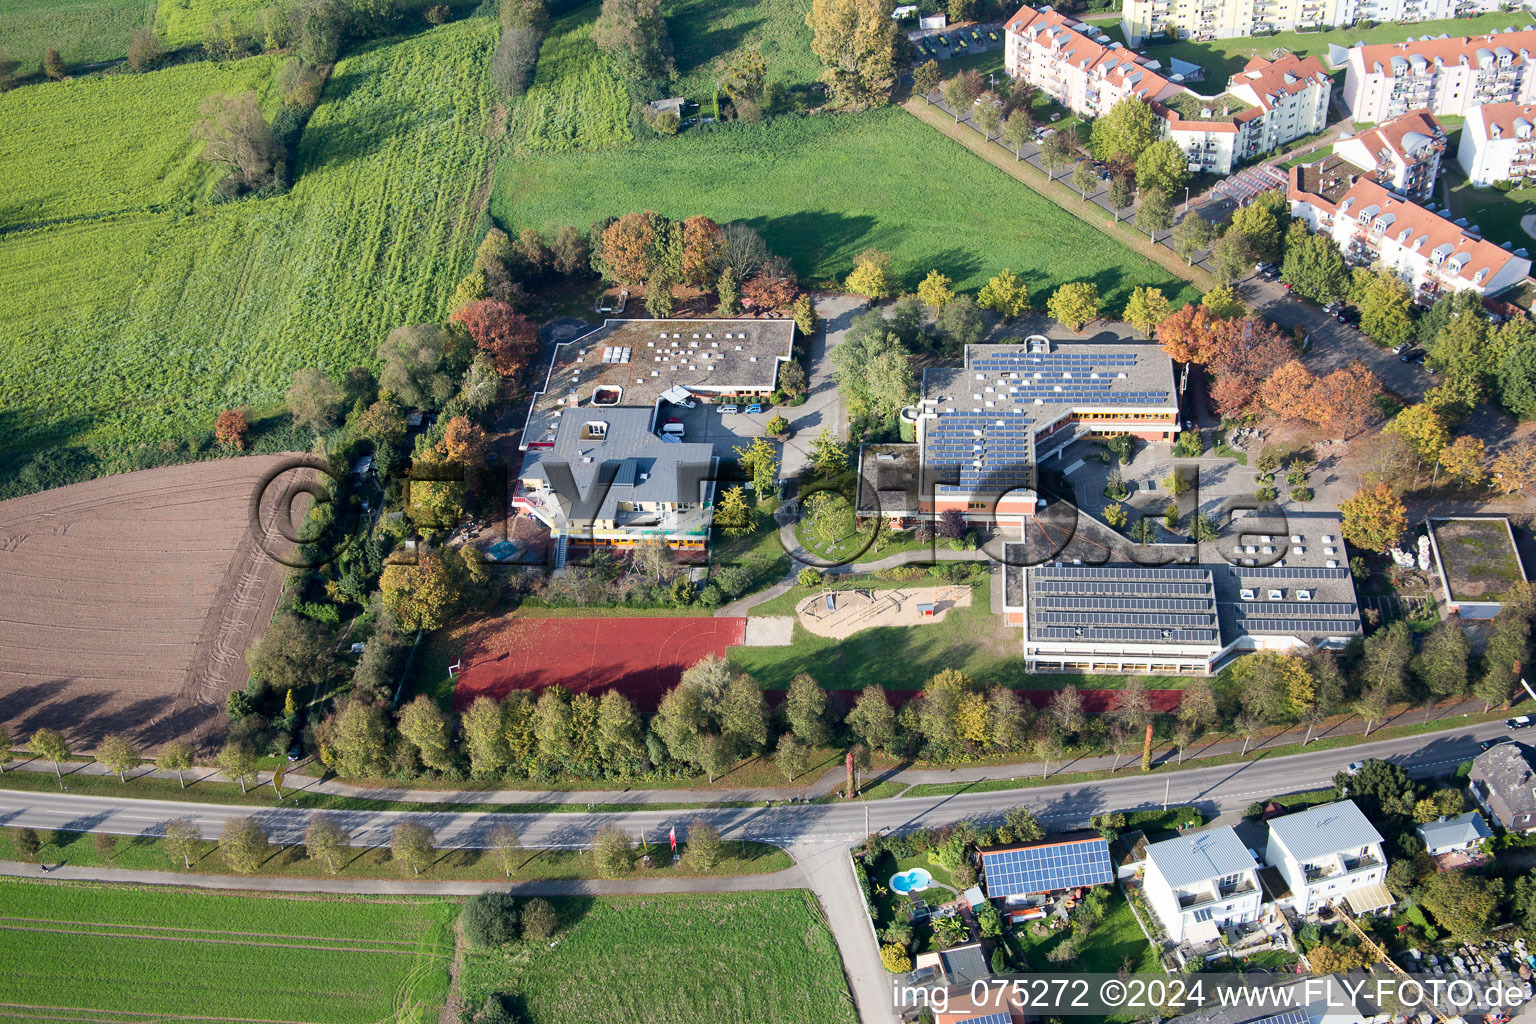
(628, 252)
(773, 287)
(1244, 354)
(703, 252)
(1186, 334)
(231, 428)
(509, 336)
(463, 441)
(1338, 402)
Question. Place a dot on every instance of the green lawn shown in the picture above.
(83, 31)
(577, 100)
(181, 22)
(1308, 158)
(821, 189)
(1497, 213)
(1223, 58)
(109, 952)
(1112, 942)
(739, 958)
(703, 31)
(150, 310)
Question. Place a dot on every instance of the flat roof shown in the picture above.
(1478, 557)
(639, 360)
(889, 479)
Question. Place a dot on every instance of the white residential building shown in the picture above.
(1498, 143)
(1327, 854)
(1201, 881)
(1224, 19)
(1266, 105)
(1460, 834)
(1447, 75)
(1374, 227)
(1403, 154)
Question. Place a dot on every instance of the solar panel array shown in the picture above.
(1295, 1016)
(1124, 604)
(1264, 609)
(993, 1018)
(1047, 868)
(1140, 636)
(1289, 572)
(1103, 587)
(989, 449)
(1176, 620)
(1122, 572)
(1332, 627)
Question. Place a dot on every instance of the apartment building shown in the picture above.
(1200, 882)
(1266, 105)
(1375, 227)
(1224, 19)
(1403, 154)
(1448, 75)
(1328, 854)
(1498, 143)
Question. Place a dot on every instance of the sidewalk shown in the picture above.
(828, 782)
(789, 878)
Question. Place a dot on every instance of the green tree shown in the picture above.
(1191, 236)
(805, 710)
(1129, 128)
(425, 595)
(484, 738)
(1085, 180)
(1384, 305)
(733, 514)
(1515, 381)
(118, 754)
(1424, 429)
(413, 845)
(633, 34)
(1231, 256)
(326, 841)
(871, 275)
(1314, 267)
(937, 290)
(540, 921)
(704, 849)
(856, 41)
(1154, 213)
(1055, 153)
(313, 400)
(872, 719)
(295, 651)
(613, 852)
(1122, 193)
(620, 735)
(183, 841)
(1262, 222)
(27, 842)
(243, 844)
(423, 723)
(743, 715)
(1441, 664)
(1162, 167)
(506, 846)
(1466, 905)
(238, 763)
(960, 323)
(760, 459)
(357, 740)
(792, 757)
(1146, 308)
(828, 454)
(926, 78)
(1006, 294)
(1074, 304)
(176, 757)
(1018, 129)
(50, 744)
(489, 920)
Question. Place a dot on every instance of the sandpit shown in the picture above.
(856, 610)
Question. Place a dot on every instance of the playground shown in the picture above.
(837, 614)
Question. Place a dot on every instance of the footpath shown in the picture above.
(298, 780)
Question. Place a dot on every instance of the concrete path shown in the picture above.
(789, 878)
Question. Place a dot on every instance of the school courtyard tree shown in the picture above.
(1074, 304)
(856, 41)
(1374, 518)
(937, 290)
(1006, 294)
(1146, 309)
(871, 275)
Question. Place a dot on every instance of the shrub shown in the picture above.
(439, 14)
(808, 577)
(144, 50)
(1301, 494)
(540, 920)
(489, 919)
(895, 959)
(1266, 493)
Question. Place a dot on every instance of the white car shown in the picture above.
(1522, 722)
(1354, 767)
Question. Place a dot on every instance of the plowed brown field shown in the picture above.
(127, 603)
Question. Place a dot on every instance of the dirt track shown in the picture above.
(127, 603)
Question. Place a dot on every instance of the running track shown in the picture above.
(641, 657)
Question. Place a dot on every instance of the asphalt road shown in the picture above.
(1222, 790)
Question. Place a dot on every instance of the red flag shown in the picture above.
(672, 836)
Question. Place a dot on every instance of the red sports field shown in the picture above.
(642, 657)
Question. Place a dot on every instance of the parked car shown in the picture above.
(1418, 357)
(1522, 722)
(730, 408)
(1408, 355)
(1355, 767)
(1404, 347)
(755, 407)
(1347, 316)
(1490, 744)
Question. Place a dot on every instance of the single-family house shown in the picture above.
(1327, 854)
(1200, 882)
(1503, 782)
(1454, 835)
(1023, 873)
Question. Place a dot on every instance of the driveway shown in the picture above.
(823, 406)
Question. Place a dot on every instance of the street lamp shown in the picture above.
(1186, 198)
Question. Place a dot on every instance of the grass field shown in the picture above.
(83, 31)
(821, 189)
(140, 323)
(704, 31)
(1497, 213)
(1223, 58)
(181, 22)
(109, 952)
(739, 958)
(576, 100)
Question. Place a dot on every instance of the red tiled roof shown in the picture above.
(1434, 230)
(1449, 51)
(1268, 78)
(1503, 116)
(1389, 134)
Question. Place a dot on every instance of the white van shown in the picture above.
(672, 430)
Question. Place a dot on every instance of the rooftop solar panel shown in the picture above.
(1288, 572)
(1052, 868)
(998, 1018)
(1328, 626)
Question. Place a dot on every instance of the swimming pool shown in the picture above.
(915, 880)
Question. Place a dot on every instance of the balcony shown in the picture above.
(1214, 894)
